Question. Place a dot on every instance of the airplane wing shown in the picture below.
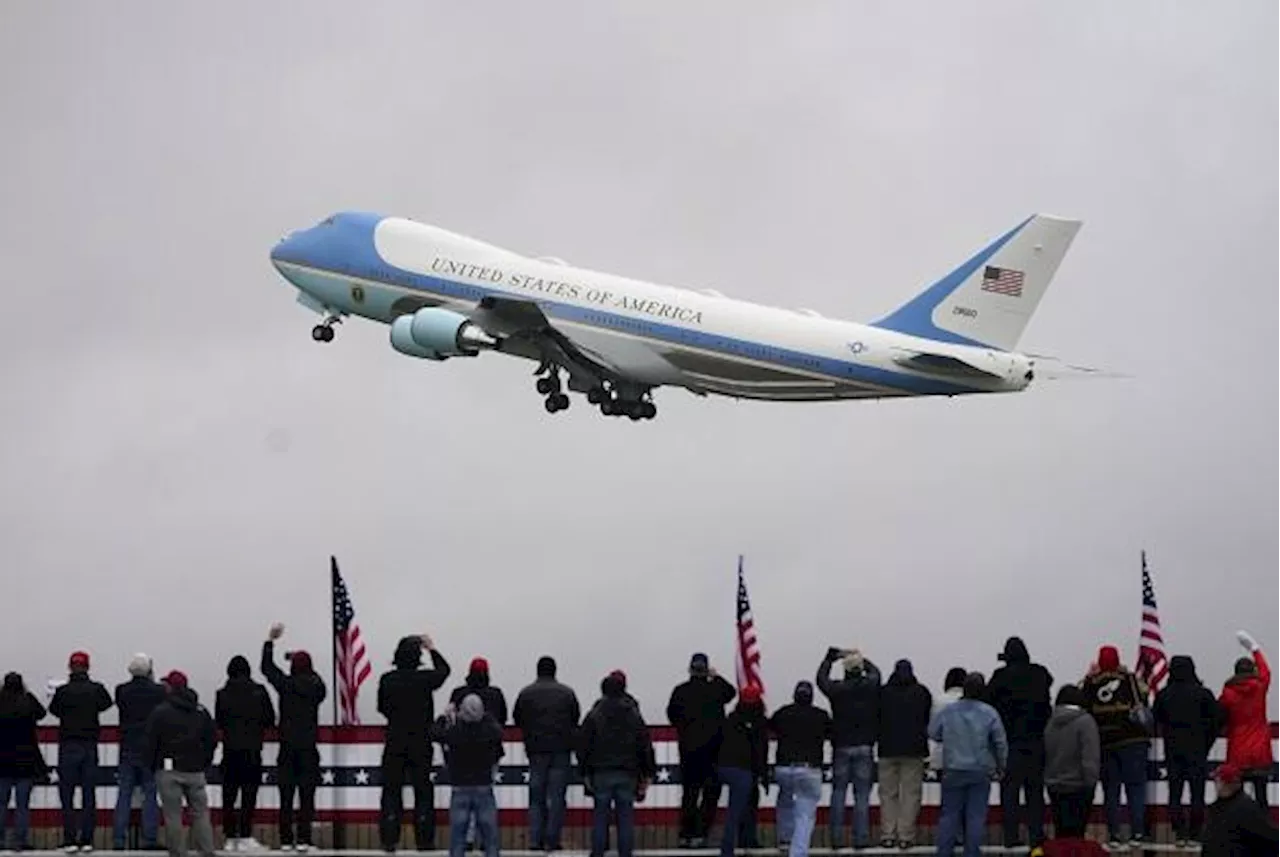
(940, 364)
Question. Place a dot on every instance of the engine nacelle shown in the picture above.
(438, 334)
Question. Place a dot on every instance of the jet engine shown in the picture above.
(438, 334)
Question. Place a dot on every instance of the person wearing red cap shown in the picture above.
(743, 762)
(495, 705)
(1244, 704)
(301, 693)
(180, 742)
(78, 705)
(1117, 699)
(1237, 826)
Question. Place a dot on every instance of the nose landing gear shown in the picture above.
(323, 332)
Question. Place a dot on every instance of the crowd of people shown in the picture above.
(975, 732)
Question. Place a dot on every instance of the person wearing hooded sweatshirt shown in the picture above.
(743, 763)
(1188, 718)
(905, 710)
(301, 693)
(855, 715)
(1244, 705)
(78, 705)
(975, 749)
(1115, 696)
(405, 698)
(1020, 692)
(472, 742)
(243, 712)
(1073, 762)
(180, 742)
(547, 714)
(802, 730)
(20, 759)
(1237, 826)
(696, 710)
(615, 755)
(135, 700)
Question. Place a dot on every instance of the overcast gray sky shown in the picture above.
(180, 458)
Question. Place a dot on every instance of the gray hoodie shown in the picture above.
(1072, 751)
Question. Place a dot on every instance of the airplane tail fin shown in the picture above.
(989, 299)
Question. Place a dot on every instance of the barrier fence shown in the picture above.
(348, 799)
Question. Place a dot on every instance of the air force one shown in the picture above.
(616, 340)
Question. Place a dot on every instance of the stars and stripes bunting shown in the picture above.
(1002, 281)
(1152, 666)
(747, 659)
(351, 662)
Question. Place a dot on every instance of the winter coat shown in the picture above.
(471, 750)
(180, 729)
(1187, 714)
(243, 711)
(1072, 751)
(1238, 826)
(135, 700)
(495, 704)
(405, 698)
(547, 714)
(905, 709)
(802, 730)
(301, 694)
(77, 705)
(855, 703)
(745, 745)
(614, 738)
(972, 736)
(1244, 703)
(20, 756)
(1019, 691)
(1111, 698)
(696, 710)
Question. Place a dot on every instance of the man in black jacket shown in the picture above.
(180, 743)
(547, 714)
(802, 730)
(855, 717)
(696, 710)
(297, 757)
(478, 682)
(1189, 718)
(905, 707)
(243, 711)
(1238, 826)
(135, 700)
(78, 705)
(1019, 692)
(405, 699)
(472, 743)
(616, 756)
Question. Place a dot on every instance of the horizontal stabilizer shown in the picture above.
(941, 364)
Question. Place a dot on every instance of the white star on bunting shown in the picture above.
(362, 777)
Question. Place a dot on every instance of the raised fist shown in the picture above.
(276, 632)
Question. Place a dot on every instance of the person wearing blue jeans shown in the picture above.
(548, 782)
(805, 785)
(802, 730)
(472, 741)
(616, 758)
(20, 789)
(855, 715)
(975, 751)
(852, 766)
(473, 804)
(132, 773)
(613, 791)
(1116, 698)
(135, 700)
(547, 714)
(743, 762)
(20, 759)
(78, 704)
(784, 813)
(1125, 766)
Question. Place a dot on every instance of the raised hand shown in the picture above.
(276, 632)
(1249, 643)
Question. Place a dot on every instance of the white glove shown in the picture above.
(1248, 642)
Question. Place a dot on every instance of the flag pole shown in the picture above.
(339, 826)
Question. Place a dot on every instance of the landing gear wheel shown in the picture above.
(561, 400)
(648, 410)
(596, 395)
(546, 386)
(610, 407)
(322, 333)
(551, 404)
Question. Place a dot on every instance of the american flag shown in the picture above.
(1002, 281)
(747, 651)
(1152, 667)
(351, 662)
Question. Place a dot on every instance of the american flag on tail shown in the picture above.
(1152, 667)
(351, 662)
(1003, 281)
(747, 651)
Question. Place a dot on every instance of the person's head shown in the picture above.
(13, 684)
(175, 681)
(1245, 668)
(479, 667)
(472, 708)
(78, 663)
(699, 665)
(1069, 694)
(238, 667)
(751, 698)
(853, 663)
(140, 666)
(1227, 778)
(975, 686)
(621, 677)
(1182, 668)
(300, 663)
(546, 667)
(1109, 659)
(612, 687)
(408, 653)
(1015, 652)
(804, 693)
(903, 672)
(955, 679)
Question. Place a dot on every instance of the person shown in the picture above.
(472, 742)
(743, 761)
(405, 699)
(495, 704)
(855, 713)
(21, 763)
(1019, 691)
(243, 711)
(975, 750)
(1073, 762)
(1188, 718)
(616, 759)
(1117, 698)
(301, 693)
(180, 741)
(802, 730)
(1244, 704)
(905, 710)
(1237, 826)
(547, 714)
(696, 710)
(135, 700)
(78, 704)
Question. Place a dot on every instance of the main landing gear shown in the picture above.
(549, 386)
(323, 332)
(612, 401)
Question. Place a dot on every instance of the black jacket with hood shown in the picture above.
(135, 700)
(20, 711)
(746, 741)
(1187, 713)
(405, 696)
(242, 709)
(495, 703)
(855, 702)
(614, 736)
(181, 729)
(547, 713)
(301, 693)
(905, 708)
(1238, 826)
(77, 705)
(696, 710)
(1019, 691)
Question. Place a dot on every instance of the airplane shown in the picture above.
(445, 295)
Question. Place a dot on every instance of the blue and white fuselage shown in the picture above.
(447, 295)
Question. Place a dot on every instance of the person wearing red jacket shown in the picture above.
(1244, 705)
